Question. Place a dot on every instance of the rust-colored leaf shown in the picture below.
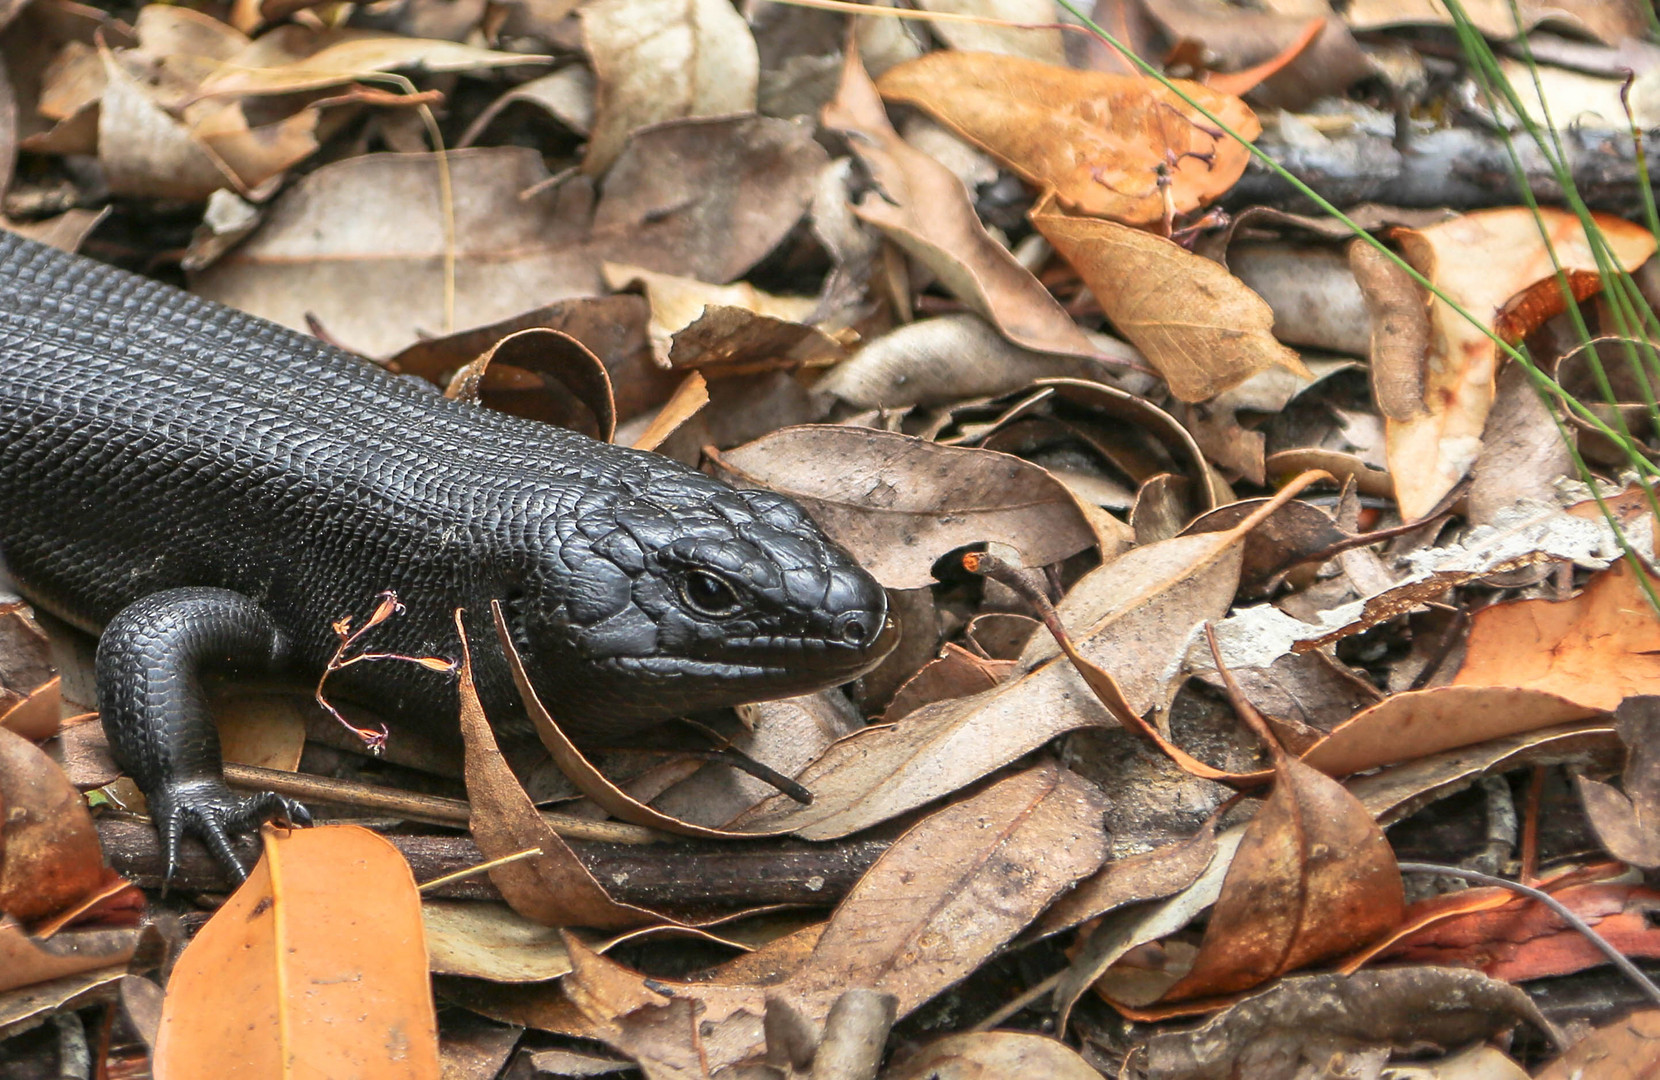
(316, 966)
(1118, 146)
(49, 852)
(1627, 1049)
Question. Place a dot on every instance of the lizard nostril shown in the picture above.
(855, 628)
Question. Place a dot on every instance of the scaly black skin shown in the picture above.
(208, 488)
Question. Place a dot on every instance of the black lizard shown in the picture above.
(204, 487)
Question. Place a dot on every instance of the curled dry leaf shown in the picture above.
(552, 888)
(1595, 649)
(1628, 822)
(898, 503)
(679, 302)
(739, 185)
(1200, 326)
(1497, 19)
(375, 279)
(1042, 42)
(1481, 261)
(926, 210)
(49, 852)
(658, 60)
(881, 772)
(993, 1053)
(1311, 291)
(941, 361)
(1422, 722)
(1313, 878)
(342, 985)
(1118, 146)
(542, 374)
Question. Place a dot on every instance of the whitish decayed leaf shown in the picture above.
(1104, 144)
(925, 209)
(1266, 1036)
(322, 953)
(373, 274)
(1200, 326)
(658, 60)
(1480, 261)
(994, 1053)
(739, 186)
(899, 503)
(1596, 649)
(1628, 822)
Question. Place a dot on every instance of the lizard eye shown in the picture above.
(707, 594)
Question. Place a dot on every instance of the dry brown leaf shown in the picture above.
(657, 60)
(1422, 722)
(1043, 42)
(959, 885)
(49, 852)
(375, 278)
(553, 888)
(739, 185)
(942, 361)
(1304, 53)
(1335, 1019)
(542, 374)
(1628, 822)
(955, 673)
(1200, 326)
(484, 940)
(26, 960)
(1612, 22)
(293, 58)
(1627, 1049)
(993, 1053)
(898, 502)
(1313, 878)
(727, 341)
(881, 772)
(1595, 649)
(926, 210)
(567, 95)
(1151, 875)
(1118, 146)
(1480, 261)
(323, 954)
(678, 302)
(613, 328)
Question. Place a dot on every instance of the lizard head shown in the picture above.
(671, 592)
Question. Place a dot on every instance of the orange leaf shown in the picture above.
(1480, 261)
(1107, 145)
(315, 968)
(1596, 649)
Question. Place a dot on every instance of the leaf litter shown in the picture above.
(1021, 337)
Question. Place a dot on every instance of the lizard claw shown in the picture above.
(210, 811)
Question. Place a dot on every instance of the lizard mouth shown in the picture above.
(805, 661)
